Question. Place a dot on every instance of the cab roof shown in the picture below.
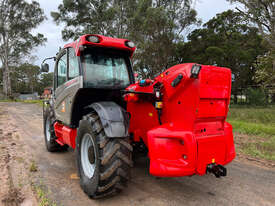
(108, 42)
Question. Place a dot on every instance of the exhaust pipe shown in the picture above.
(217, 170)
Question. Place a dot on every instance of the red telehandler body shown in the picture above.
(98, 109)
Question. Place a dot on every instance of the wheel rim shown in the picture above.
(48, 133)
(88, 155)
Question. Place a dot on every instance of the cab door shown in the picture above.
(60, 75)
(67, 83)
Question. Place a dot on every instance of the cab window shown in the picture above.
(62, 70)
(73, 64)
(105, 70)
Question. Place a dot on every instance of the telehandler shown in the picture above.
(98, 109)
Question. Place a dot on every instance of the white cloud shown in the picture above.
(51, 31)
(207, 9)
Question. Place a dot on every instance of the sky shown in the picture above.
(206, 9)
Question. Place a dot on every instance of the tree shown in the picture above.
(93, 16)
(27, 78)
(17, 19)
(227, 40)
(46, 80)
(32, 75)
(155, 26)
(159, 26)
(265, 73)
(262, 13)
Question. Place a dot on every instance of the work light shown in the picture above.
(93, 39)
(130, 44)
(195, 71)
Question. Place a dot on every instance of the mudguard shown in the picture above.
(114, 118)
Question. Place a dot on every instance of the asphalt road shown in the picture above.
(246, 184)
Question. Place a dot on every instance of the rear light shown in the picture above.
(130, 44)
(195, 71)
(93, 39)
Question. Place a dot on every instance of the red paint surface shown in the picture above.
(107, 42)
(194, 132)
(65, 135)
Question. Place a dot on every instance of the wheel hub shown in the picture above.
(88, 155)
(48, 127)
(91, 155)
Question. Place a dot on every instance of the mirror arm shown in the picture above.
(54, 58)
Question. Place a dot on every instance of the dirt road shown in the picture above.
(246, 184)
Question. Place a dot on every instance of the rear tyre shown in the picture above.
(49, 135)
(103, 163)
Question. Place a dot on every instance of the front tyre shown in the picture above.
(49, 135)
(103, 163)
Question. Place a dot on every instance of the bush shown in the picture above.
(256, 96)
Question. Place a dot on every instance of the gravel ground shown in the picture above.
(22, 144)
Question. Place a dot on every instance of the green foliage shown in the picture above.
(43, 195)
(39, 102)
(158, 29)
(257, 115)
(45, 80)
(256, 96)
(17, 19)
(252, 128)
(227, 40)
(265, 150)
(93, 16)
(155, 26)
(265, 73)
(259, 124)
(33, 167)
(253, 120)
(27, 78)
(261, 13)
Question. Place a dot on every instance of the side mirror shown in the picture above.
(45, 68)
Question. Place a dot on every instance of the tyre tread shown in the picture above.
(115, 160)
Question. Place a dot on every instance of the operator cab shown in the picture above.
(94, 68)
(106, 69)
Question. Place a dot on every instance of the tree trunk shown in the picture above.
(6, 82)
(6, 76)
(5, 89)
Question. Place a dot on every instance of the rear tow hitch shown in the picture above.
(217, 170)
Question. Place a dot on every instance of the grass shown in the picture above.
(42, 196)
(259, 124)
(252, 128)
(264, 150)
(33, 167)
(40, 101)
(262, 115)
